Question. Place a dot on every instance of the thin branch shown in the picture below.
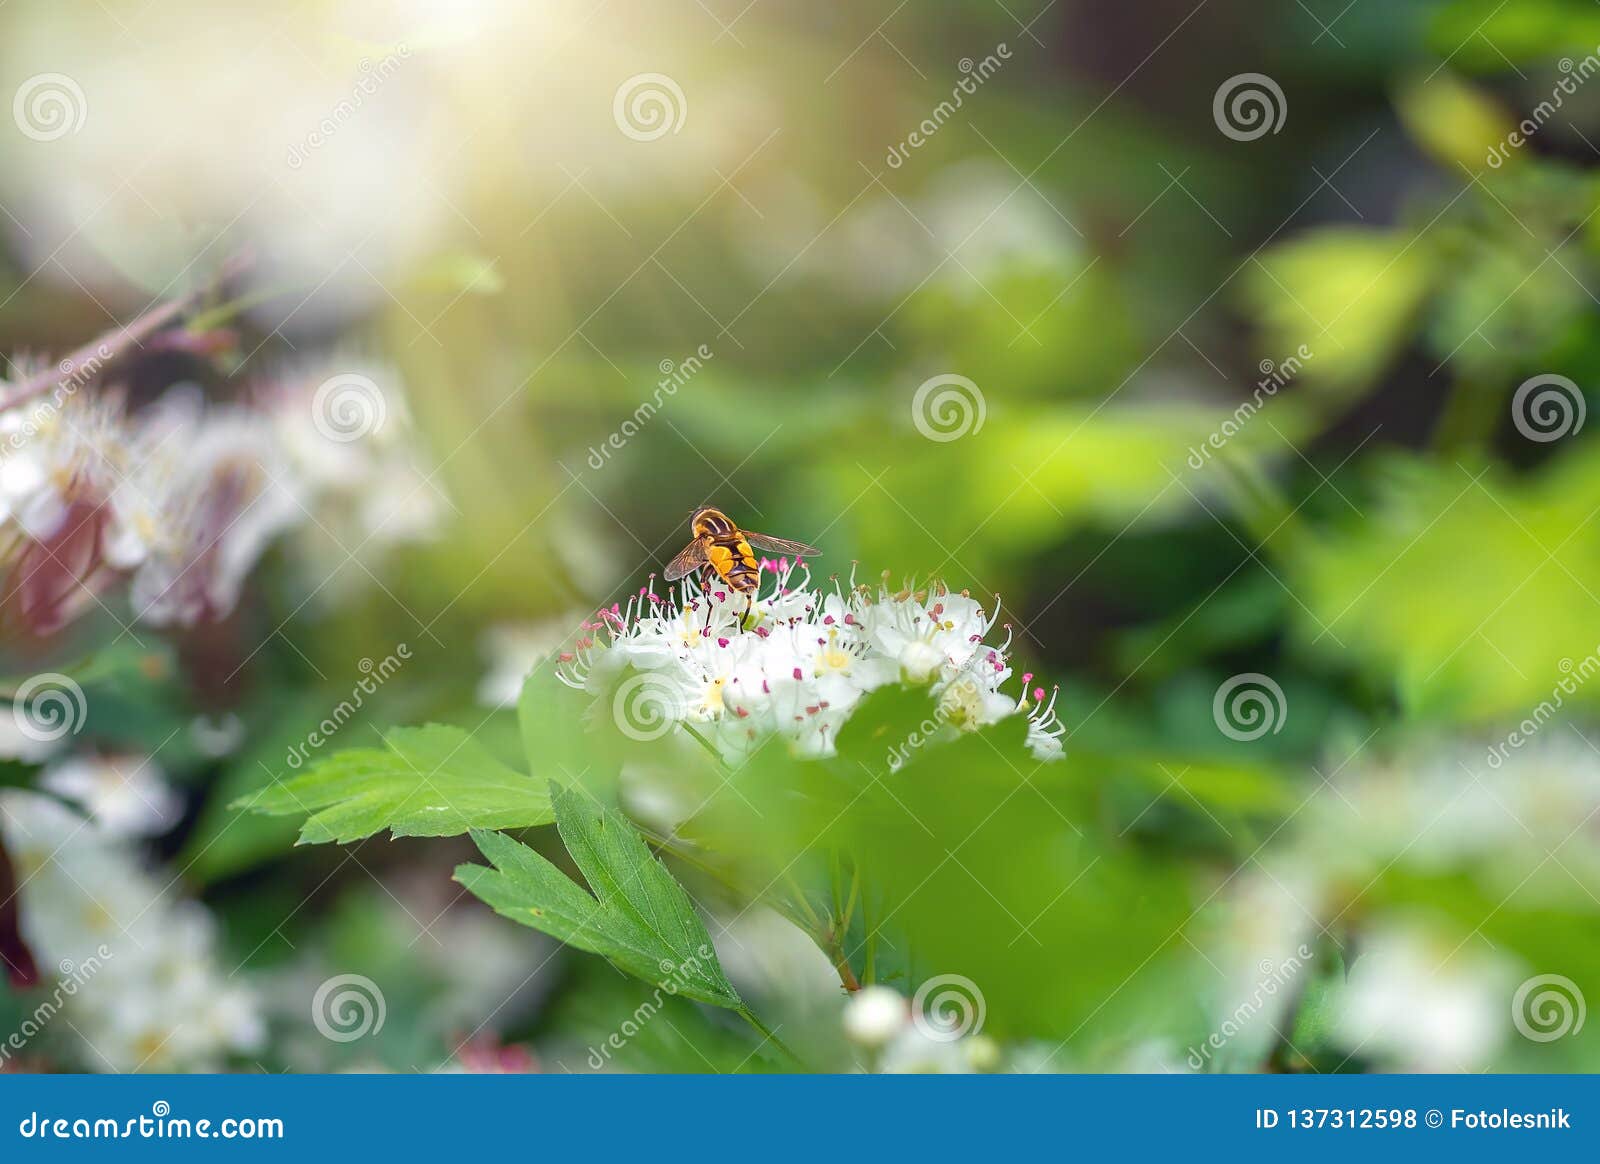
(116, 344)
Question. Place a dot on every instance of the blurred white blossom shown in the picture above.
(125, 795)
(514, 650)
(183, 498)
(1443, 807)
(160, 1002)
(1422, 1003)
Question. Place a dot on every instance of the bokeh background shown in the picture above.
(522, 222)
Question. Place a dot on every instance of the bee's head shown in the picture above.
(708, 520)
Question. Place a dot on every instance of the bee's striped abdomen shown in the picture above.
(733, 560)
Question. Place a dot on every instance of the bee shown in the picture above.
(722, 550)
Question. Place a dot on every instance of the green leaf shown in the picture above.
(1352, 291)
(550, 717)
(431, 781)
(640, 917)
(688, 1039)
(1502, 636)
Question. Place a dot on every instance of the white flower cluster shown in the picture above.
(158, 1000)
(183, 498)
(796, 661)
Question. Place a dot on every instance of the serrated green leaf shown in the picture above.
(431, 781)
(639, 917)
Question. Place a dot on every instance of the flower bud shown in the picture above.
(874, 1016)
(920, 661)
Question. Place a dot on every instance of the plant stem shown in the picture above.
(850, 902)
(869, 972)
(838, 930)
(118, 342)
(768, 1035)
(835, 885)
(812, 919)
(711, 751)
(841, 963)
(217, 316)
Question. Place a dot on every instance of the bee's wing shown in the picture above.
(689, 559)
(780, 545)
